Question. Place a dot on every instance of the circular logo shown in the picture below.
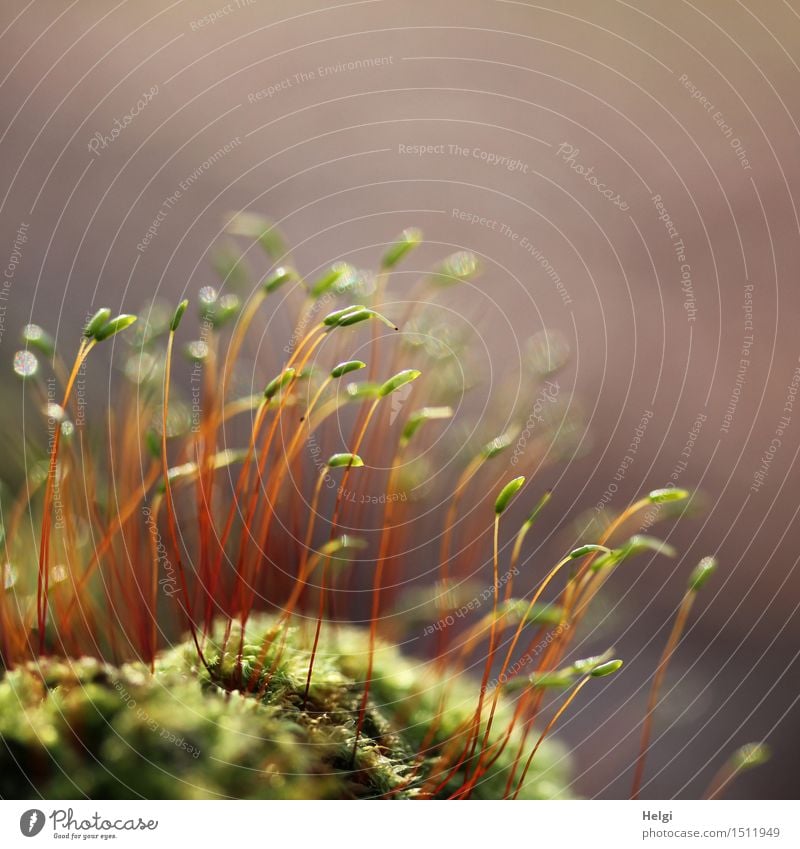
(31, 822)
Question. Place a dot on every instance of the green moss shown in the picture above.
(83, 728)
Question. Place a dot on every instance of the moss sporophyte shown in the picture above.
(213, 615)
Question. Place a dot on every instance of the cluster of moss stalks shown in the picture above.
(84, 728)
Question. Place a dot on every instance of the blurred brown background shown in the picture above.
(694, 102)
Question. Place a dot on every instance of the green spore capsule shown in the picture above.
(178, 315)
(336, 461)
(98, 320)
(346, 367)
(507, 493)
(116, 325)
(406, 242)
(604, 669)
(701, 573)
(400, 379)
(277, 383)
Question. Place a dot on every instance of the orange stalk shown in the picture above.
(44, 546)
(658, 679)
(547, 729)
(170, 507)
(373, 622)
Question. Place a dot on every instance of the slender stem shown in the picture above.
(472, 740)
(375, 613)
(726, 773)
(205, 446)
(334, 524)
(44, 546)
(520, 539)
(303, 561)
(377, 304)
(464, 478)
(510, 653)
(304, 571)
(658, 679)
(237, 338)
(265, 523)
(170, 507)
(546, 731)
(279, 474)
(154, 582)
(237, 593)
(585, 578)
(241, 483)
(281, 626)
(123, 514)
(243, 478)
(493, 627)
(348, 469)
(576, 602)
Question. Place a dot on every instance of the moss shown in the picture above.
(83, 728)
